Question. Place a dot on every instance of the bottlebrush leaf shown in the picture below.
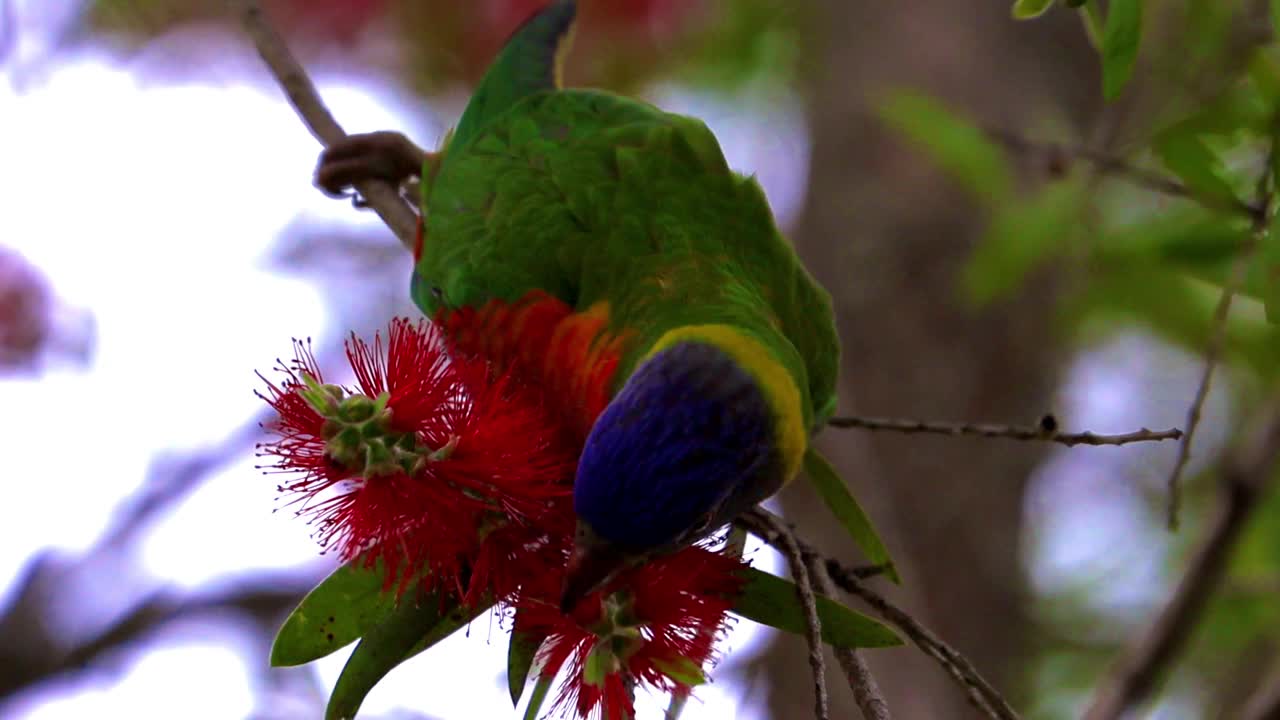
(1028, 9)
(414, 625)
(1120, 40)
(954, 143)
(1269, 257)
(333, 615)
(772, 601)
(1185, 153)
(540, 691)
(520, 655)
(835, 493)
(682, 670)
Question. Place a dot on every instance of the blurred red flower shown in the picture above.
(339, 21)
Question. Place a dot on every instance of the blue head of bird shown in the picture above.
(687, 444)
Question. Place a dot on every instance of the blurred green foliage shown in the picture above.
(1147, 230)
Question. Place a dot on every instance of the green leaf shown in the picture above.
(772, 601)
(1189, 157)
(1241, 107)
(835, 493)
(1021, 236)
(1275, 18)
(959, 147)
(682, 670)
(1027, 9)
(1120, 39)
(412, 626)
(333, 615)
(1180, 308)
(1166, 303)
(539, 696)
(1264, 74)
(597, 666)
(1269, 257)
(1091, 17)
(1187, 239)
(521, 652)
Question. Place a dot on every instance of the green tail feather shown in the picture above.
(527, 64)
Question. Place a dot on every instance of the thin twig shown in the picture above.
(1058, 155)
(264, 599)
(813, 624)
(301, 93)
(1212, 351)
(866, 692)
(1245, 474)
(1264, 703)
(1218, 335)
(980, 692)
(1045, 431)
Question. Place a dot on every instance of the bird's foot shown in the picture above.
(383, 155)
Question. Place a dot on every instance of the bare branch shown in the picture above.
(171, 478)
(1057, 156)
(865, 690)
(263, 599)
(301, 93)
(981, 693)
(790, 548)
(1245, 474)
(1045, 431)
(1218, 336)
(1211, 354)
(1264, 703)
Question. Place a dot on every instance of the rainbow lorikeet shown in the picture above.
(607, 249)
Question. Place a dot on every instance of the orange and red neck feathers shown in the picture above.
(571, 356)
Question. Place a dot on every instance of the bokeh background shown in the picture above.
(160, 241)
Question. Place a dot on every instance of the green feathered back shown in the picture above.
(528, 63)
(592, 197)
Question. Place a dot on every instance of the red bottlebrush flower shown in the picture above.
(656, 624)
(434, 466)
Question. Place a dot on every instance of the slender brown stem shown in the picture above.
(981, 693)
(866, 692)
(1045, 431)
(301, 93)
(1264, 703)
(790, 547)
(1058, 155)
(1218, 334)
(1245, 473)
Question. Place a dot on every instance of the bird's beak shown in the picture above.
(594, 562)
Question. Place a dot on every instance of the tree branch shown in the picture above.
(301, 93)
(263, 598)
(1045, 431)
(790, 549)
(1218, 336)
(865, 690)
(1057, 156)
(981, 693)
(1264, 703)
(1245, 474)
